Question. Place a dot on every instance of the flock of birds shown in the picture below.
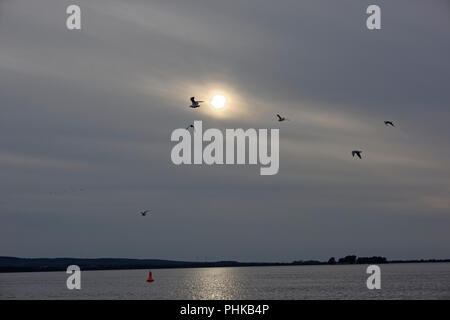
(358, 152)
(196, 104)
(66, 191)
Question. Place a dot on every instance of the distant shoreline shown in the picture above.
(14, 264)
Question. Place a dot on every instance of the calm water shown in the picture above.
(398, 281)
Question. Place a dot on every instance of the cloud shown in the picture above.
(96, 107)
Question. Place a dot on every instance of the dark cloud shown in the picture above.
(94, 109)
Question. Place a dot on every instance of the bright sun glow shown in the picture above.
(218, 101)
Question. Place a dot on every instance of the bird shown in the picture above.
(144, 213)
(67, 191)
(389, 123)
(357, 153)
(194, 103)
(280, 118)
(190, 126)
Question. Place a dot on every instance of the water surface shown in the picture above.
(398, 281)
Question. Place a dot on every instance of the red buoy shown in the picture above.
(150, 279)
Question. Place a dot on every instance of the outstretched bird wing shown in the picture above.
(357, 153)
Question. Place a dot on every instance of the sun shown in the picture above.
(218, 101)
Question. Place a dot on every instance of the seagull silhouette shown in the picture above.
(194, 103)
(280, 118)
(389, 123)
(67, 191)
(357, 153)
(144, 213)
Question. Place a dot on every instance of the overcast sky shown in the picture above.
(94, 109)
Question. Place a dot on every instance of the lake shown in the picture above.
(398, 281)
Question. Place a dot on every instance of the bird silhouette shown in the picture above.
(389, 123)
(66, 191)
(280, 118)
(144, 213)
(194, 103)
(357, 153)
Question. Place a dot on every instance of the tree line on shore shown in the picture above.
(14, 264)
(351, 259)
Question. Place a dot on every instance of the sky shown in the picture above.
(86, 118)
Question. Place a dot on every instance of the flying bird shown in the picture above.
(67, 191)
(357, 153)
(389, 123)
(280, 118)
(144, 213)
(194, 103)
